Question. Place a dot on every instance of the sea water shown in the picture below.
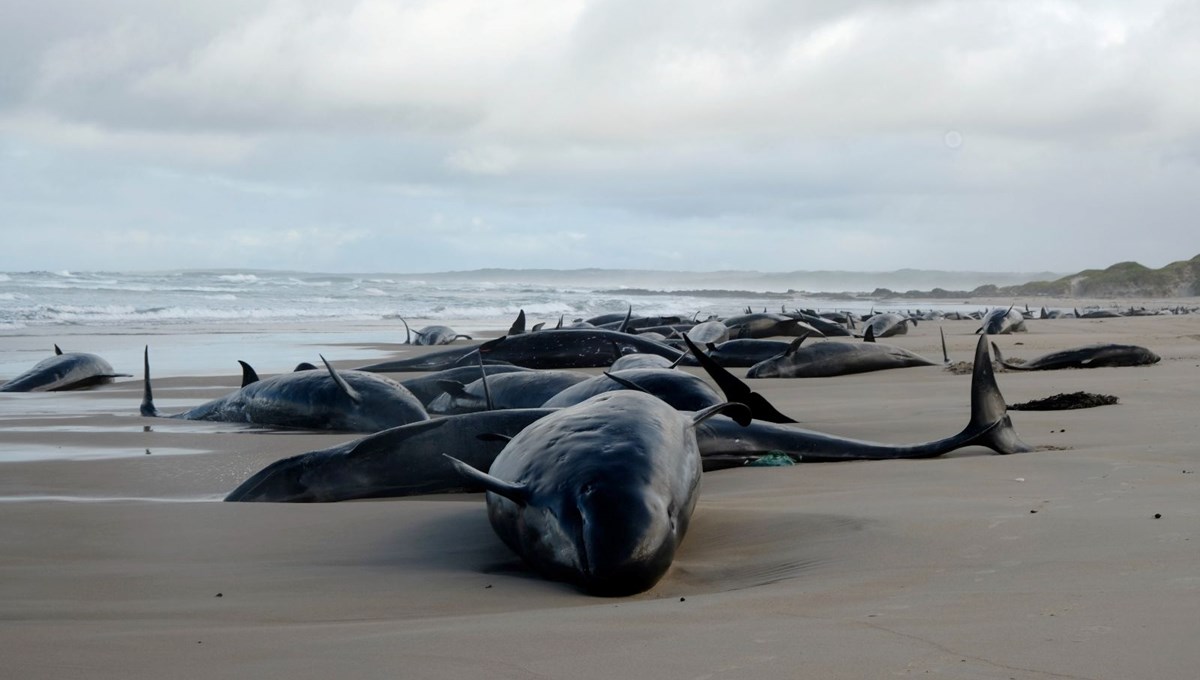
(201, 322)
(180, 298)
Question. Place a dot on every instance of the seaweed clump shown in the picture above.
(1063, 402)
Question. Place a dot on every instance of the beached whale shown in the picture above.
(767, 325)
(742, 353)
(349, 401)
(1000, 321)
(431, 335)
(402, 461)
(682, 390)
(1090, 356)
(886, 324)
(830, 358)
(524, 389)
(723, 444)
(64, 371)
(599, 494)
(558, 348)
(426, 388)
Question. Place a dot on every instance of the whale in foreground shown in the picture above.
(64, 371)
(599, 494)
(348, 401)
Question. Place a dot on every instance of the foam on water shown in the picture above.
(250, 298)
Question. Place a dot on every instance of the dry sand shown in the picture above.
(117, 562)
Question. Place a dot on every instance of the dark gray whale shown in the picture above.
(1089, 356)
(722, 444)
(402, 461)
(349, 401)
(830, 358)
(598, 494)
(559, 348)
(1002, 322)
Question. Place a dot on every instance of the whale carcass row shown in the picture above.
(408, 460)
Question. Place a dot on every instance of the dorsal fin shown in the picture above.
(517, 493)
(794, 346)
(407, 333)
(147, 409)
(518, 326)
(626, 383)
(57, 351)
(249, 377)
(625, 324)
(738, 411)
(869, 335)
(341, 382)
(304, 366)
(487, 392)
(560, 322)
(537, 326)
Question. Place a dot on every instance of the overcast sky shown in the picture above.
(368, 135)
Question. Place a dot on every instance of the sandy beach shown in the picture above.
(1073, 561)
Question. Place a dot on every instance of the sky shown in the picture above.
(433, 135)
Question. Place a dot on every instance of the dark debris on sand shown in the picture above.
(1063, 402)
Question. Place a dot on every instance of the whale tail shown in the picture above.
(737, 391)
(147, 408)
(1000, 358)
(990, 424)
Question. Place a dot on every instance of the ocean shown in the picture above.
(273, 318)
(183, 298)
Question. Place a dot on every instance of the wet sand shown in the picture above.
(118, 561)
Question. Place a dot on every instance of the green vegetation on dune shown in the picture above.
(1124, 279)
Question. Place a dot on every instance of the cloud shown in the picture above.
(609, 133)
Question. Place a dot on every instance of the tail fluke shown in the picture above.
(990, 424)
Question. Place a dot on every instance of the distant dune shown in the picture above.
(1121, 280)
